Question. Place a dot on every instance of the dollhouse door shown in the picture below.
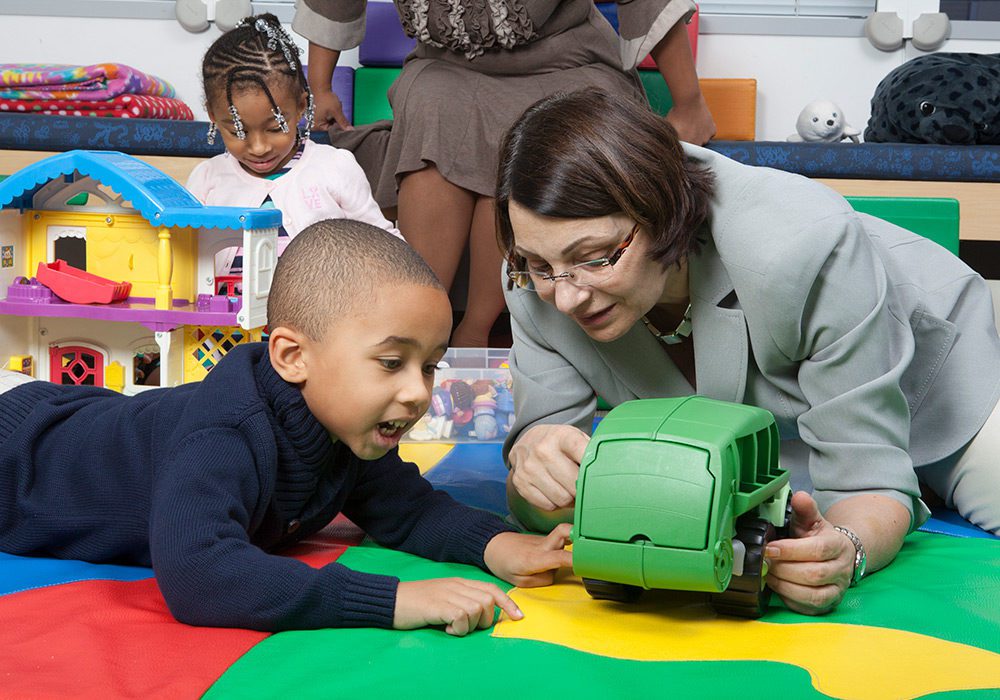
(76, 365)
(259, 257)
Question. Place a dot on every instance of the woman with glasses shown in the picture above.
(640, 267)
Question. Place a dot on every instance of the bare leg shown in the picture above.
(435, 217)
(485, 289)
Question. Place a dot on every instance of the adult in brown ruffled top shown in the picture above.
(477, 66)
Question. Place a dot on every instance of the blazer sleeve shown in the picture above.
(548, 389)
(829, 312)
(333, 24)
(642, 23)
(210, 573)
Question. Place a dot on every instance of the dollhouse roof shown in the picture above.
(154, 195)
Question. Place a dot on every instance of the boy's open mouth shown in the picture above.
(391, 428)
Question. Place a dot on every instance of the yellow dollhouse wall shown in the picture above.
(204, 346)
(119, 247)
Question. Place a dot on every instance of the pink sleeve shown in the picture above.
(198, 181)
(355, 196)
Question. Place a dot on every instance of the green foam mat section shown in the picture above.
(370, 100)
(931, 217)
(656, 91)
(940, 586)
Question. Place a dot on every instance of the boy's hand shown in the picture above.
(529, 560)
(461, 605)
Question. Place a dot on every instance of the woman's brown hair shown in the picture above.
(586, 154)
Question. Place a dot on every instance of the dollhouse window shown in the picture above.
(68, 243)
(146, 365)
(76, 365)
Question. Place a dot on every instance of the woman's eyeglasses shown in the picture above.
(585, 274)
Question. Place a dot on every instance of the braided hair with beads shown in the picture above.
(255, 53)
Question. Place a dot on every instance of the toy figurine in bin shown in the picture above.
(471, 400)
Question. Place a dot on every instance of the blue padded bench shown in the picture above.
(865, 161)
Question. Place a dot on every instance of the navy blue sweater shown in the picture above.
(204, 482)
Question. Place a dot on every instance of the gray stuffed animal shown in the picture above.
(944, 98)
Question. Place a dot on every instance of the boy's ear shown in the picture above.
(286, 348)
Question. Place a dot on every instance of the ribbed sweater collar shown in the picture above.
(309, 440)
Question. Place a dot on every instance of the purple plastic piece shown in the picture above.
(31, 291)
(218, 303)
(343, 87)
(385, 43)
(134, 309)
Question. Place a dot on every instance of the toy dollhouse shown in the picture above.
(110, 269)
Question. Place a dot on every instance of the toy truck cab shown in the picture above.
(680, 494)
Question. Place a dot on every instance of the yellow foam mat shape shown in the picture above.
(845, 661)
(424, 455)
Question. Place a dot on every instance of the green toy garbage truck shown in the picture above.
(681, 494)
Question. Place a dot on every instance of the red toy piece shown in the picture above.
(79, 286)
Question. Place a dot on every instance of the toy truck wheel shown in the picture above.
(606, 590)
(748, 594)
(785, 530)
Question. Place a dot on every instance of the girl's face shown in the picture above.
(607, 309)
(266, 147)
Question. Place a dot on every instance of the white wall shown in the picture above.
(790, 70)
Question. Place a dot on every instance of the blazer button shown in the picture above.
(293, 525)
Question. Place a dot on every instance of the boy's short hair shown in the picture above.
(333, 267)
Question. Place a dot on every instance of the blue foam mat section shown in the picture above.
(24, 573)
(948, 522)
(473, 474)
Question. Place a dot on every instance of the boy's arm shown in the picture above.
(209, 571)
(394, 504)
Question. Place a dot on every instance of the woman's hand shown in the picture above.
(461, 605)
(692, 120)
(529, 560)
(544, 463)
(329, 111)
(812, 572)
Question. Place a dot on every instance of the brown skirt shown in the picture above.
(452, 114)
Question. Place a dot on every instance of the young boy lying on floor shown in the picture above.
(206, 482)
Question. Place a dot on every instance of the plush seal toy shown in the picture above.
(822, 120)
(944, 98)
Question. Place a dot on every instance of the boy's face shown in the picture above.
(370, 378)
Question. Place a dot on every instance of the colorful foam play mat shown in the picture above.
(926, 627)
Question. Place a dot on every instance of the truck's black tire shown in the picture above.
(606, 590)
(747, 595)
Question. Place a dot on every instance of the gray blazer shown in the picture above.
(876, 347)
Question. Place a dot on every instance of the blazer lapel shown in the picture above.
(641, 365)
(721, 344)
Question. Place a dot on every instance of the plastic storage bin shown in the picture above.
(471, 400)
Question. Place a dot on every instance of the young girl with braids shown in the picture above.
(256, 93)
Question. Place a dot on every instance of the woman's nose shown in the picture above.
(568, 298)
